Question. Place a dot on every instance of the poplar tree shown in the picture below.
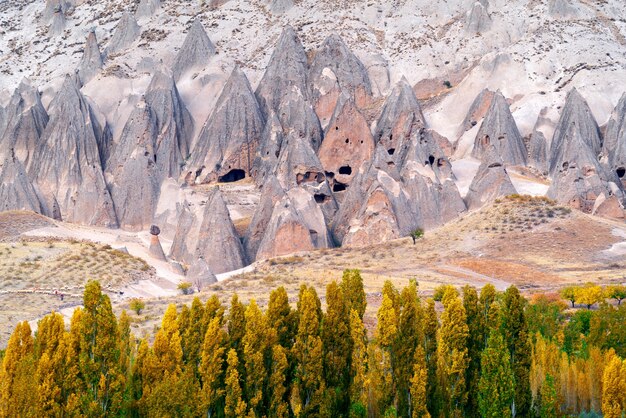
(386, 333)
(550, 400)
(431, 325)
(17, 386)
(308, 356)
(419, 380)
(359, 362)
(257, 342)
(278, 407)
(496, 387)
(281, 317)
(452, 357)
(337, 348)
(234, 404)
(475, 347)
(614, 387)
(50, 349)
(352, 287)
(408, 337)
(514, 329)
(211, 369)
(236, 330)
(488, 310)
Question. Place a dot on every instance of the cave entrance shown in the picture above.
(620, 172)
(390, 151)
(232, 176)
(346, 169)
(339, 187)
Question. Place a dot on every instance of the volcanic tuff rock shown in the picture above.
(278, 7)
(298, 163)
(424, 149)
(156, 250)
(91, 62)
(147, 8)
(576, 138)
(136, 179)
(195, 51)
(208, 233)
(25, 119)
(266, 160)
(478, 20)
(52, 6)
(298, 117)
(57, 25)
(499, 129)
(66, 164)
(335, 69)
(229, 139)
(200, 275)
(491, 181)
(478, 109)
(126, 32)
(286, 70)
(174, 124)
(400, 121)
(614, 147)
(347, 144)
(538, 152)
(272, 192)
(16, 190)
(297, 224)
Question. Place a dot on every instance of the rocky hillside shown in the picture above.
(324, 124)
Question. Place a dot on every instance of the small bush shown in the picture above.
(185, 288)
(137, 305)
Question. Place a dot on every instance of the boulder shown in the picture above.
(478, 109)
(16, 190)
(500, 131)
(195, 51)
(491, 182)
(347, 144)
(478, 19)
(229, 139)
(614, 147)
(335, 69)
(576, 137)
(271, 193)
(126, 33)
(91, 62)
(147, 8)
(200, 275)
(208, 233)
(400, 122)
(135, 177)
(66, 165)
(174, 124)
(156, 250)
(25, 119)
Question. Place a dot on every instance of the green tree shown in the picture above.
(359, 363)
(257, 342)
(549, 399)
(281, 317)
(235, 406)
(386, 331)
(617, 292)
(514, 329)
(569, 293)
(489, 310)
(431, 326)
(137, 305)
(452, 357)
(337, 348)
(496, 386)
(475, 347)
(352, 287)
(211, 369)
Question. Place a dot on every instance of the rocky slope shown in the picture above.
(357, 122)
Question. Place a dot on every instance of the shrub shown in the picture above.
(416, 234)
(185, 287)
(137, 305)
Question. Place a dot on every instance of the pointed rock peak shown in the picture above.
(478, 109)
(195, 51)
(614, 146)
(126, 32)
(91, 62)
(16, 190)
(161, 81)
(68, 94)
(279, 7)
(478, 20)
(147, 8)
(200, 275)
(491, 182)
(57, 25)
(499, 134)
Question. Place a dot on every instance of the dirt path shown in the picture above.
(471, 277)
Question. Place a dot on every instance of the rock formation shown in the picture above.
(478, 20)
(266, 160)
(195, 51)
(538, 152)
(491, 182)
(400, 122)
(25, 119)
(91, 62)
(200, 275)
(576, 137)
(57, 25)
(614, 147)
(478, 109)
(136, 179)
(500, 131)
(54, 6)
(297, 224)
(278, 7)
(66, 164)
(156, 250)
(271, 193)
(348, 143)
(126, 33)
(298, 117)
(16, 190)
(229, 139)
(424, 148)
(147, 8)
(335, 69)
(174, 124)
(208, 233)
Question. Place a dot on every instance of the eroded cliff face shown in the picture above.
(344, 146)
